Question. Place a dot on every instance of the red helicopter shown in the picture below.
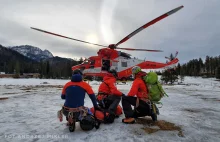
(110, 58)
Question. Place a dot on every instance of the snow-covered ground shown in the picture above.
(190, 113)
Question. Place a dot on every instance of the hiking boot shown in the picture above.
(154, 116)
(110, 118)
(128, 120)
(72, 127)
(157, 110)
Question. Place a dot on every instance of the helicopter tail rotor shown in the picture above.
(172, 57)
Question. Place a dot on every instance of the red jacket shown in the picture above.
(108, 86)
(139, 88)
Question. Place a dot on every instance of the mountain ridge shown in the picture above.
(32, 52)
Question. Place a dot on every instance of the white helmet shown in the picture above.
(135, 69)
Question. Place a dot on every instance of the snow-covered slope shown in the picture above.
(190, 113)
(34, 53)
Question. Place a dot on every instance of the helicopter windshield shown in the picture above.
(126, 55)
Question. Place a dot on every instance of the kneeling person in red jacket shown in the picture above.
(140, 102)
(109, 96)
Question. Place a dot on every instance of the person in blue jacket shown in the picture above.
(74, 94)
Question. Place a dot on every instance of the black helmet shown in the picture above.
(77, 71)
(87, 123)
(113, 72)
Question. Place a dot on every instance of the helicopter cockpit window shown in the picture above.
(124, 64)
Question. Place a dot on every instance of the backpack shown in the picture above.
(155, 89)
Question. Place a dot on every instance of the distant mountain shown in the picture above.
(7, 54)
(10, 60)
(32, 52)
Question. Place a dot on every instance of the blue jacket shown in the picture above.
(74, 92)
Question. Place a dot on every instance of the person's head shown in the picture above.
(113, 72)
(77, 71)
(135, 70)
(76, 76)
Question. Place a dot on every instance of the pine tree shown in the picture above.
(215, 64)
(201, 66)
(17, 69)
(169, 76)
(165, 76)
(80, 60)
(178, 69)
(182, 76)
(217, 73)
(211, 65)
(48, 69)
(207, 65)
(173, 76)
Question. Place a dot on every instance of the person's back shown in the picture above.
(109, 96)
(74, 92)
(108, 86)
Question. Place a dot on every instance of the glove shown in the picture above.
(98, 108)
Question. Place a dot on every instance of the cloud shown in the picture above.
(193, 31)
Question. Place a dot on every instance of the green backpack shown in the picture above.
(155, 89)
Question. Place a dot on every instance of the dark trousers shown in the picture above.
(142, 110)
(110, 103)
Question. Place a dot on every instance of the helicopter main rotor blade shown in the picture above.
(66, 37)
(134, 49)
(148, 24)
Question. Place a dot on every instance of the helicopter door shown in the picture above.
(115, 65)
(105, 65)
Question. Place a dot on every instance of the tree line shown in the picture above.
(57, 68)
(198, 67)
(210, 67)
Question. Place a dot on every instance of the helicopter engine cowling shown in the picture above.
(108, 53)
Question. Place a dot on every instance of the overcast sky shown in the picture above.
(194, 31)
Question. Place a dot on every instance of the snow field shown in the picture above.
(29, 113)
